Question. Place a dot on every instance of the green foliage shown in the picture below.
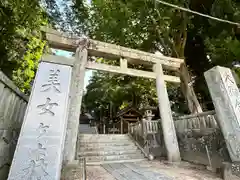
(105, 89)
(25, 72)
(137, 24)
(223, 50)
(21, 45)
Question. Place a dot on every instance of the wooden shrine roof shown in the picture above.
(129, 112)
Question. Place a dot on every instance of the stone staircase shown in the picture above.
(109, 148)
(87, 129)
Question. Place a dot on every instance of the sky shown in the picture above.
(88, 73)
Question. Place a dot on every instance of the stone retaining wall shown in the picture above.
(194, 144)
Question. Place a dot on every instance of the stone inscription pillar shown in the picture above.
(76, 95)
(40, 146)
(226, 100)
(169, 132)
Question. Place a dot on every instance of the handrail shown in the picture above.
(96, 129)
(135, 130)
(150, 127)
(142, 129)
(138, 145)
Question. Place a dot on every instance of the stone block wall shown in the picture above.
(207, 121)
(13, 104)
(194, 144)
(183, 126)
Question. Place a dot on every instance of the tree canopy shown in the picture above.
(140, 24)
(153, 27)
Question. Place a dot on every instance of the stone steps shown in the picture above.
(86, 138)
(108, 152)
(106, 148)
(105, 144)
(86, 129)
(100, 149)
(109, 136)
(113, 157)
(90, 163)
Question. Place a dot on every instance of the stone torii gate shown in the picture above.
(88, 47)
(66, 78)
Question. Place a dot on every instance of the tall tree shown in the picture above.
(210, 42)
(150, 26)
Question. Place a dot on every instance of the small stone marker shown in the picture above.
(226, 171)
(40, 146)
(226, 100)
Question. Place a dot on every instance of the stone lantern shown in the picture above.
(148, 115)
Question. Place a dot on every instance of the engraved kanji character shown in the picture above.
(42, 129)
(53, 81)
(47, 107)
(36, 170)
(38, 153)
(37, 166)
(232, 90)
(230, 84)
(228, 78)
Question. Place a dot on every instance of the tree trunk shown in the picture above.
(188, 91)
(179, 47)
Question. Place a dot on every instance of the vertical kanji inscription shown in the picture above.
(38, 154)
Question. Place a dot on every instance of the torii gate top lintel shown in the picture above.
(63, 41)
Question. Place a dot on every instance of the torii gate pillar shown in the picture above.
(169, 133)
(76, 94)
